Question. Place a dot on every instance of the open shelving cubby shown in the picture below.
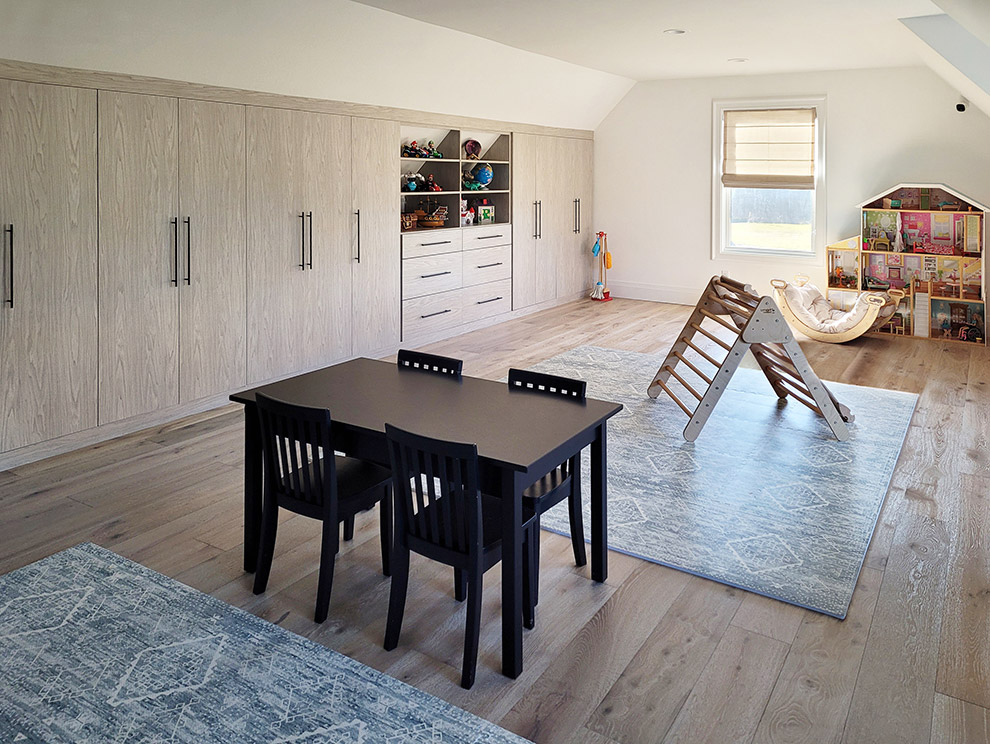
(449, 172)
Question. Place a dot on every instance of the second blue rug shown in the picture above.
(766, 499)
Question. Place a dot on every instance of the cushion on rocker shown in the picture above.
(811, 308)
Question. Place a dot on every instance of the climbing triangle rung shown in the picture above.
(700, 351)
(683, 382)
(722, 321)
(694, 369)
(712, 336)
(674, 398)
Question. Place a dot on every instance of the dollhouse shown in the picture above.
(927, 240)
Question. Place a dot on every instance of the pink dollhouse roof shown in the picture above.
(942, 186)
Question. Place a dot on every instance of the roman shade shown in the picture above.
(769, 149)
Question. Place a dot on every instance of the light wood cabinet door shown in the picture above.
(213, 240)
(526, 246)
(326, 311)
(574, 259)
(139, 293)
(298, 275)
(376, 276)
(48, 338)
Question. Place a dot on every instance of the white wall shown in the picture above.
(332, 49)
(653, 167)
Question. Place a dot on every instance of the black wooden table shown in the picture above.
(521, 436)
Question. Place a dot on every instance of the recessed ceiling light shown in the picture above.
(674, 31)
(737, 59)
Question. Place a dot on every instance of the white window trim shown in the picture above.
(719, 252)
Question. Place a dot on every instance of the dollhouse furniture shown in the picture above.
(806, 309)
(928, 241)
(739, 320)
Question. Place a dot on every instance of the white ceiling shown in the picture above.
(625, 37)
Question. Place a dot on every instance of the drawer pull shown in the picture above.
(431, 315)
(488, 266)
(438, 242)
(430, 276)
(485, 302)
(488, 237)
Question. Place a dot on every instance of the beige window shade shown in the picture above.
(769, 149)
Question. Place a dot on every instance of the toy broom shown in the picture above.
(600, 251)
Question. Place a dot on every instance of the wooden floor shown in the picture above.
(651, 655)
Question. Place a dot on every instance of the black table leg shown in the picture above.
(599, 516)
(512, 539)
(252, 487)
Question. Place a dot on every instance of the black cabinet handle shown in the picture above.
(485, 302)
(488, 266)
(358, 215)
(174, 281)
(536, 220)
(439, 242)
(188, 220)
(489, 237)
(575, 229)
(541, 219)
(310, 215)
(302, 240)
(430, 276)
(579, 216)
(10, 231)
(431, 315)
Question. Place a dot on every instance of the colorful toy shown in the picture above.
(600, 251)
(432, 185)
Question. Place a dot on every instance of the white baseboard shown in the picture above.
(654, 292)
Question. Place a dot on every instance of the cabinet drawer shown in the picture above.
(430, 274)
(432, 313)
(485, 300)
(429, 243)
(487, 264)
(486, 235)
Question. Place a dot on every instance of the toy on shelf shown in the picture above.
(733, 318)
(432, 185)
(600, 251)
(431, 215)
(413, 150)
(477, 178)
(413, 182)
(472, 150)
(467, 214)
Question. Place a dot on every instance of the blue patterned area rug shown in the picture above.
(96, 648)
(766, 499)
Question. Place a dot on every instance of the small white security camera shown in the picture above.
(961, 106)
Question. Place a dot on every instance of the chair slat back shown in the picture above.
(436, 490)
(540, 382)
(434, 363)
(298, 451)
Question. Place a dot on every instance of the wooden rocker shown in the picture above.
(809, 312)
(745, 322)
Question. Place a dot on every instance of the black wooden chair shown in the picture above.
(441, 513)
(564, 481)
(302, 474)
(424, 362)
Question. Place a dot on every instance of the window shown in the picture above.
(768, 189)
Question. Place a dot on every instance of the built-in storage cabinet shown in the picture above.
(139, 254)
(159, 252)
(172, 249)
(375, 267)
(299, 248)
(48, 260)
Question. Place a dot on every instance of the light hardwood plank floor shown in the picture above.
(652, 655)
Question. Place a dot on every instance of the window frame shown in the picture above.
(720, 250)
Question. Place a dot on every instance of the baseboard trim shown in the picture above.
(654, 292)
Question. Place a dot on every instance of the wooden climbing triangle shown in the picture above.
(731, 318)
